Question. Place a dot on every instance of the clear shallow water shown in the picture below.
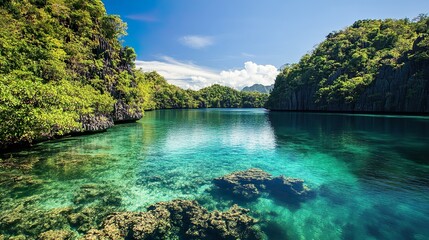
(371, 172)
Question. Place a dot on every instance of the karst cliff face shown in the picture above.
(63, 70)
(372, 66)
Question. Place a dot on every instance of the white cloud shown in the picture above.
(196, 42)
(188, 75)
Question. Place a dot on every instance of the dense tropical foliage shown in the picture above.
(166, 96)
(61, 61)
(339, 70)
(63, 69)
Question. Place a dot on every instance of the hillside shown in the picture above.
(166, 96)
(64, 70)
(258, 88)
(371, 66)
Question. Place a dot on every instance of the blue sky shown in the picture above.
(244, 40)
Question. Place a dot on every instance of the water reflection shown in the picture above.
(371, 172)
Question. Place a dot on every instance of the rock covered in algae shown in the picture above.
(102, 193)
(57, 235)
(246, 184)
(251, 183)
(283, 187)
(25, 219)
(178, 219)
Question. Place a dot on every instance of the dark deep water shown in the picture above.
(371, 172)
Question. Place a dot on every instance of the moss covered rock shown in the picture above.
(178, 219)
(251, 183)
(57, 235)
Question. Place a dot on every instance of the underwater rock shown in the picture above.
(25, 219)
(289, 188)
(86, 218)
(18, 237)
(246, 184)
(94, 202)
(23, 165)
(251, 183)
(104, 193)
(57, 235)
(15, 180)
(178, 218)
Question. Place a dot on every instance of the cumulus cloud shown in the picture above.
(196, 42)
(188, 75)
(252, 73)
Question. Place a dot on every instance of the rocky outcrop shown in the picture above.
(178, 218)
(250, 184)
(395, 90)
(122, 113)
(96, 123)
(346, 73)
(125, 113)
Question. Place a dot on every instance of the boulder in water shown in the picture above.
(251, 183)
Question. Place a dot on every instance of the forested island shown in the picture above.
(64, 70)
(371, 66)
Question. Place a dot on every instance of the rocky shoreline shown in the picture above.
(95, 123)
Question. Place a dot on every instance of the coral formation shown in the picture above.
(57, 235)
(250, 184)
(178, 218)
(25, 219)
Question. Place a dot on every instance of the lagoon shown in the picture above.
(370, 172)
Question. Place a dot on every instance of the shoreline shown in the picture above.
(410, 114)
(18, 147)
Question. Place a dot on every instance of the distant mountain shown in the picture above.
(258, 88)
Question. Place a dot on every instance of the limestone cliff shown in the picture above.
(372, 66)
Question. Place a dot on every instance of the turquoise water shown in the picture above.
(370, 172)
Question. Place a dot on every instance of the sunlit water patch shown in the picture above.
(371, 173)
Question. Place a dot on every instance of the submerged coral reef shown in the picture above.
(250, 184)
(178, 218)
(27, 220)
(96, 211)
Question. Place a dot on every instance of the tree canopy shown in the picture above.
(63, 67)
(343, 66)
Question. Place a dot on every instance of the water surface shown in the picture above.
(371, 172)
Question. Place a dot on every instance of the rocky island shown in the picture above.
(373, 66)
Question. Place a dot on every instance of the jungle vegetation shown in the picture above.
(62, 61)
(341, 68)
